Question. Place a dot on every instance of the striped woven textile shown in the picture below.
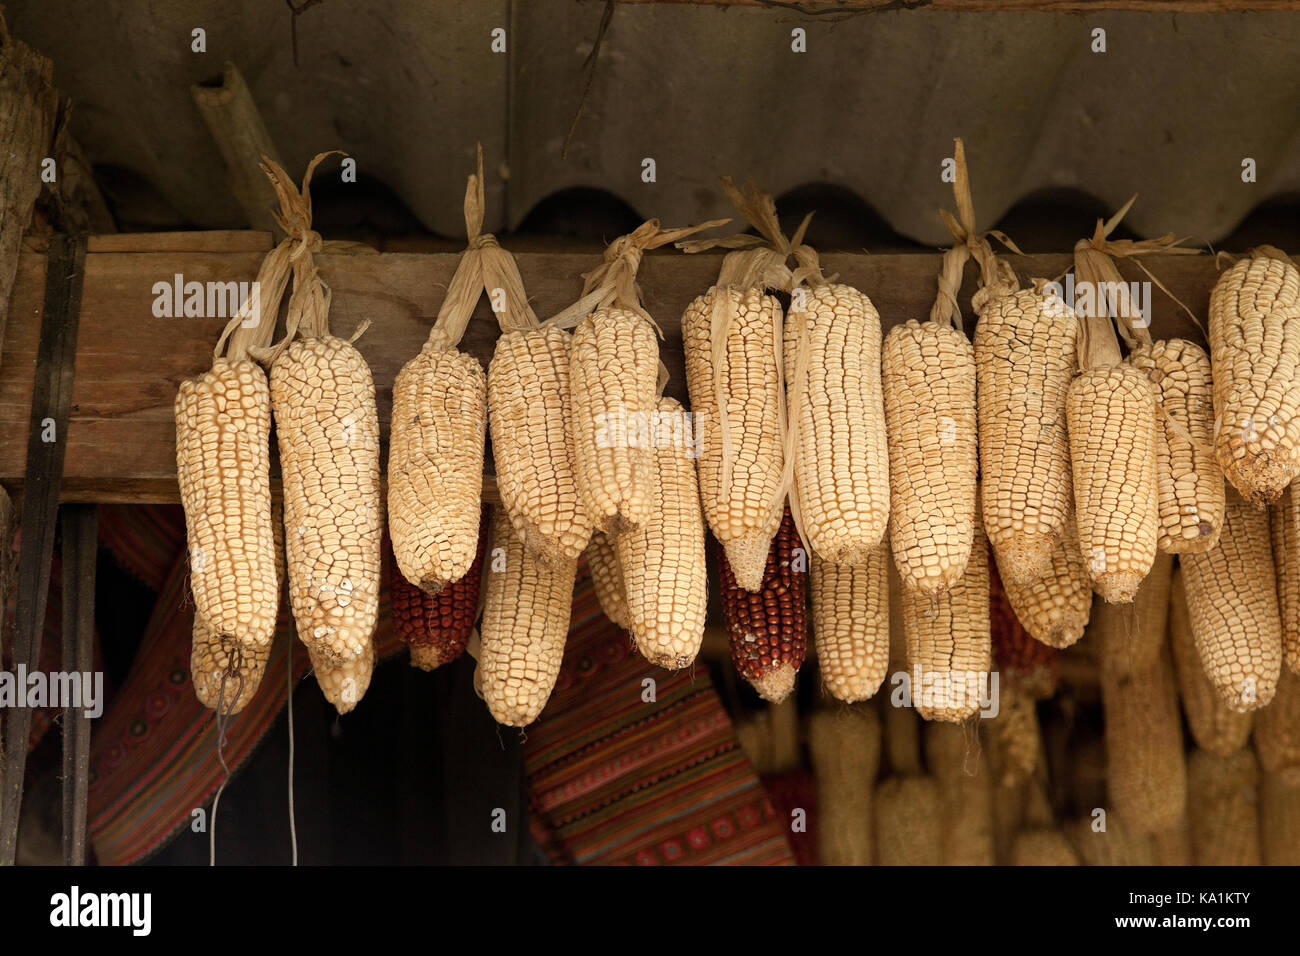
(617, 779)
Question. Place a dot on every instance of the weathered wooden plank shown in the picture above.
(130, 362)
(28, 102)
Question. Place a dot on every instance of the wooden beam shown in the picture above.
(833, 8)
(241, 137)
(130, 362)
(28, 103)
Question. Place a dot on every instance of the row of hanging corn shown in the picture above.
(812, 450)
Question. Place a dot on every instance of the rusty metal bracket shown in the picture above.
(65, 268)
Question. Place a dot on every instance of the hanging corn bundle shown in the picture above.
(530, 405)
(1111, 413)
(323, 398)
(835, 445)
(613, 370)
(435, 447)
(1024, 360)
(223, 466)
(732, 342)
(436, 627)
(929, 377)
(1255, 354)
(1189, 484)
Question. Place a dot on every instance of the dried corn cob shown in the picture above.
(613, 369)
(343, 684)
(949, 644)
(845, 750)
(1284, 524)
(929, 380)
(1132, 639)
(909, 822)
(607, 576)
(1055, 608)
(662, 560)
(767, 629)
(1015, 738)
(954, 758)
(435, 460)
(435, 464)
(1255, 351)
(1190, 483)
(1043, 847)
(741, 472)
(835, 397)
(1279, 817)
(1116, 845)
(1232, 597)
(1111, 420)
(525, 622)
(1111, 417)
(613, 366)
(323, 399)
(214, 658)
(223, 430)
(1214, 727)
(850, 607)
(532, 441)
(328, 428)
(1277, 728)
(1145, 767)
(1018, 657)
(1024, 358)
(435, 627)
(1222, 809)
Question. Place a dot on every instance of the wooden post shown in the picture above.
(241, 136)
(28, 102)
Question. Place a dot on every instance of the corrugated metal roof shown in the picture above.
(1169, 111)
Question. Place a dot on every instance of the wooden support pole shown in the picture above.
(80, 547)
(236, 125)
(46, 446)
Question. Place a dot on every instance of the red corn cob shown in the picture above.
(767, 628)
(1019, 659)
(435, 627)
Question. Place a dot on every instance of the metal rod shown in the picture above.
(46, 447)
